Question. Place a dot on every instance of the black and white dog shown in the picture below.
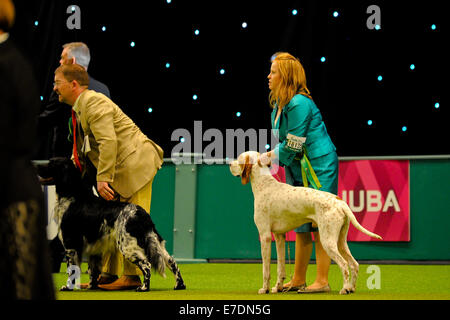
(91, 225)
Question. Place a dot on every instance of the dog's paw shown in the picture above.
(263, 291)
(65, 288)
(345, 291)
(180, 286)
(142, 289)
(276, 289)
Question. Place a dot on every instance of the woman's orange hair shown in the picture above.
(292, 80)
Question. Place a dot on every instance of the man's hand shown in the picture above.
(104, 190)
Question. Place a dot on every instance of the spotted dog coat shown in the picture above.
(91, 225)
(279, 208)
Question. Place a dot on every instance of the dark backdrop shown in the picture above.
(345, 87)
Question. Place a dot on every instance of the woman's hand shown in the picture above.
(266, 158)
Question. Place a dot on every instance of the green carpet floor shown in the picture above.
(234, 281)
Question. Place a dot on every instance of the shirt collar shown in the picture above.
(75, 105)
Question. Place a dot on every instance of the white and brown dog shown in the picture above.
(280, 207)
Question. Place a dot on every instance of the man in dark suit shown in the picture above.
(24, 263)
(53, 121)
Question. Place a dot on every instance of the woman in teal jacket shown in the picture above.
(304, 145)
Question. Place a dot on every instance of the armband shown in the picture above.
(294, 143)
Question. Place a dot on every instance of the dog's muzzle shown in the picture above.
(235, 168)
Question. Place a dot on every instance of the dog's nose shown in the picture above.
(234, 168)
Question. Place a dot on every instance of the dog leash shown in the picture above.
(308, 173)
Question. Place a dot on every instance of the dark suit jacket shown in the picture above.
(23, 239)
(53, 125)
(19, 103)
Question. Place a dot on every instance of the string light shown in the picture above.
(223, 74)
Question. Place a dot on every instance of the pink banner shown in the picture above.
(377, 191)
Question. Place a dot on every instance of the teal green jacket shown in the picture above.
(301, 118)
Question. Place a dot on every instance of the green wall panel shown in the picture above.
(224, 227)
(162, 207)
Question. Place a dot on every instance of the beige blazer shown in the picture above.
(123, 155)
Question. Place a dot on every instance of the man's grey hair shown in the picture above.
(80, 52)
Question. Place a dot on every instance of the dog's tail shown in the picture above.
(355, 222)
(155, 253)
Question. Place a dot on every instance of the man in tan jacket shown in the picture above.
(126, 160)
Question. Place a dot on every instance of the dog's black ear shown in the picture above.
(44, 174)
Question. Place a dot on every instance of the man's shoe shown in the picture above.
(123, 283)
(101, 280)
